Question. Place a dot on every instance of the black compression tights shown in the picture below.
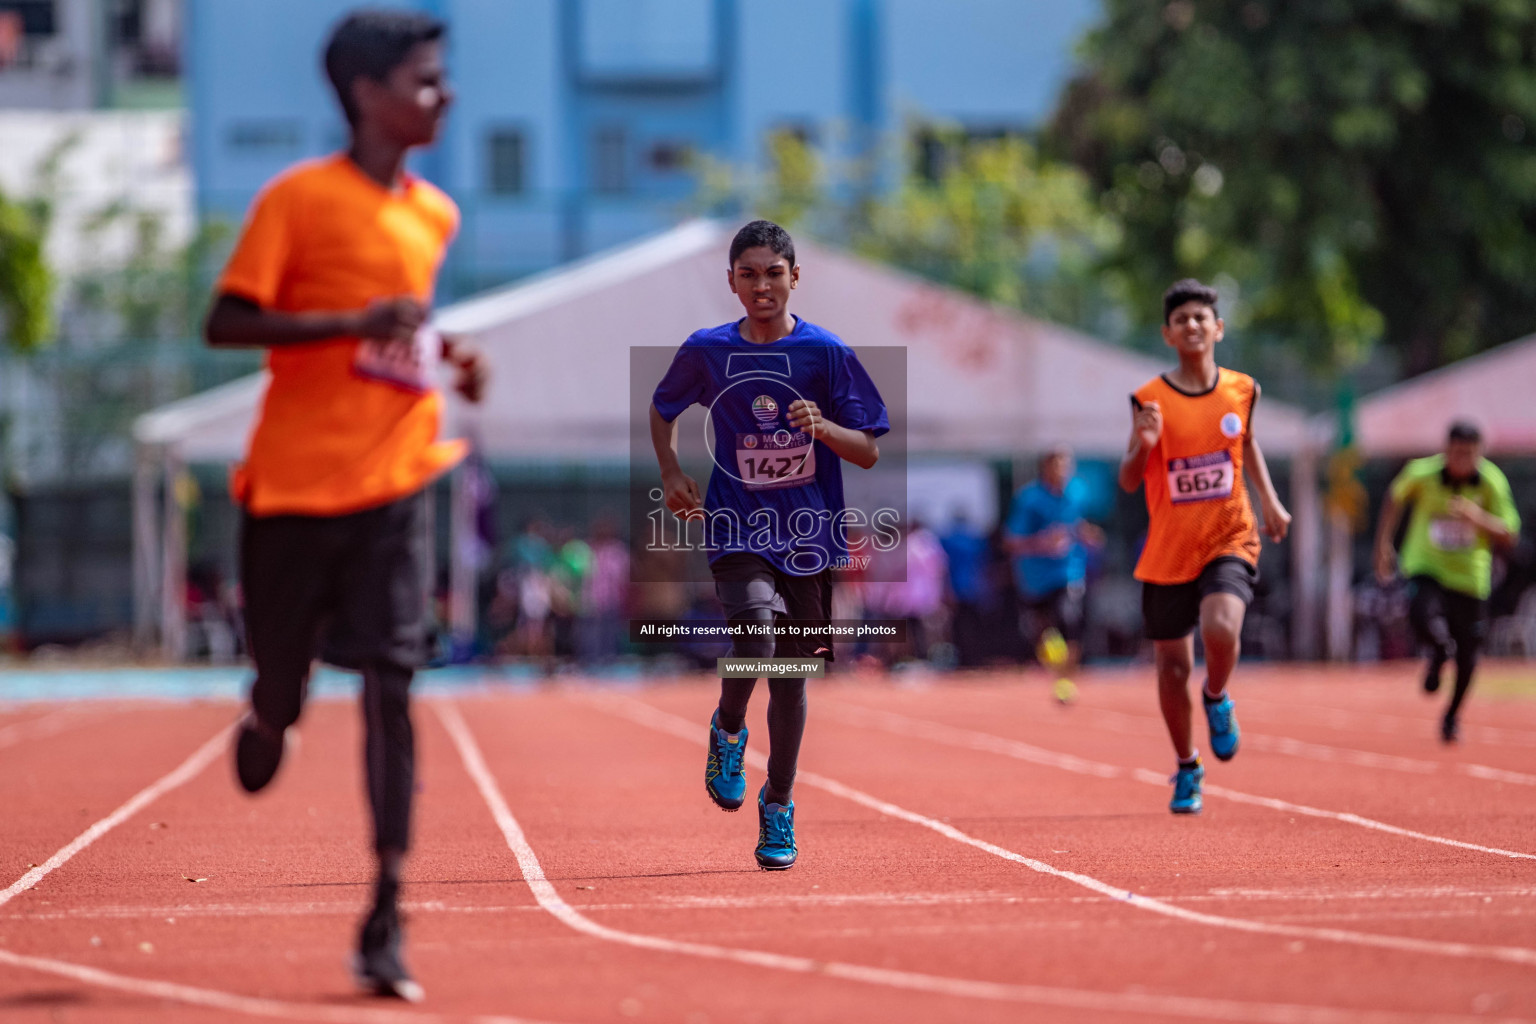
(786, 711)
(1443, 619)
(390, 756)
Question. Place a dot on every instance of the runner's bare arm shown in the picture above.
(1277, 521)
(1386, 529)
(681, 490)
(855, 446)
(1146, 429)
(237, 322)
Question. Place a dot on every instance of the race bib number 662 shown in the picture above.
(1200, 477)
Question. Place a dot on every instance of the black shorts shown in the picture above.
(350, 589)
(747, 582)
(1466, 616)
(1171, 611)
(1062, 610)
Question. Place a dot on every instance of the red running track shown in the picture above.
(970, 852)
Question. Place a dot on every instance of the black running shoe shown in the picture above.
(377, 965)
(1450, 729)
(258, 752)
(1437, 662)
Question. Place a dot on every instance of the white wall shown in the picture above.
(132, 156)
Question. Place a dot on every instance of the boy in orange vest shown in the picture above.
(1191, 437)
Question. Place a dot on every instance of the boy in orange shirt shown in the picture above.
(333, 274)
(1191, 437)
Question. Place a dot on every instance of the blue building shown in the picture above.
(576, 119)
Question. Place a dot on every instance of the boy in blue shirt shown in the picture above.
(788, 402)
(1049, 538)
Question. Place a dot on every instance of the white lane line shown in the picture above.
(1129, 723)
(50, 724)
(821, 901)
(149, 794)
(179, 776)
(1106, 1002)
(644, 714)
(1395, 725)
(230, 1002)
(969, 739)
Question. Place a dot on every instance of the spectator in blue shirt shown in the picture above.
(1049, 541)
(967, 551)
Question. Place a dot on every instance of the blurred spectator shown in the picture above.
(600, 632)
(532, 590)
(213, 618)
(1381, 621)
(919, 599)
(568, 575)
(969, 587)
(12, 34)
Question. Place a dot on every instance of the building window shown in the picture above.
(804, 134)
(505, 158)
(936, 151)
(610, 171)
(935, 155)
(37, 16)
(669, 157)
(658, 41)
(266, 137)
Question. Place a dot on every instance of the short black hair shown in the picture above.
(1464, 430)
(763, 232)
(372, 42)
(1187, 290)
(1056, 451)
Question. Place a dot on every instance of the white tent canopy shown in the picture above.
(1492, 389)
(993, 382)
(982, 380)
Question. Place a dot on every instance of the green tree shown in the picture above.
(26, 282)
(158, 291)
(1361, 169)
(992, 216)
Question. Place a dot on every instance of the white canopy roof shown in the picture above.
(982, 380)
(1492, 389)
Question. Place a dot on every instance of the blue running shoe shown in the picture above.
(775, 834)
(723, 779)
(1222, 718)
(1186, 789)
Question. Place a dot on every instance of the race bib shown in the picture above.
(411, 367)
(1200, 478)
(1452, 534)
(769, 461)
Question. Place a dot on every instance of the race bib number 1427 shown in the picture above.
(771, 461)
(1200, 477)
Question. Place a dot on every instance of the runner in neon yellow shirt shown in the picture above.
(1461, 510)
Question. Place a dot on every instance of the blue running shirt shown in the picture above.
(773, 492)
(1036, 508)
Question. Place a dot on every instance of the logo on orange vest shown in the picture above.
(1232, 425)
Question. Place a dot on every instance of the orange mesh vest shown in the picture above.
(1196, 499)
